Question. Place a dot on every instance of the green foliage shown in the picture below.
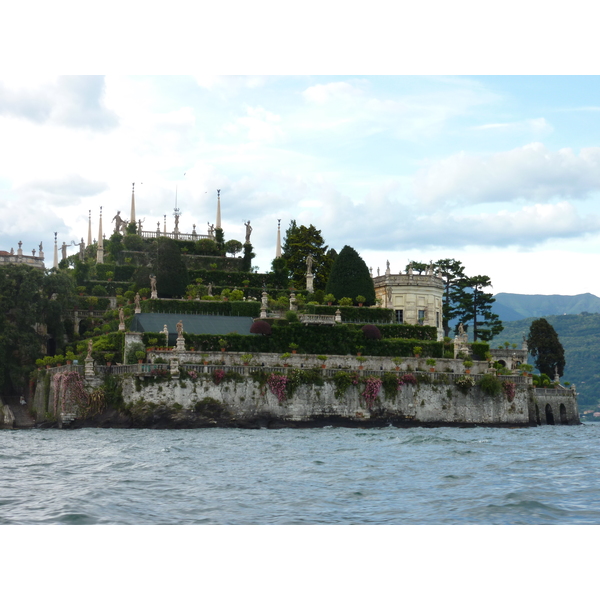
(350, 277)
(207, 247)
(233, 247)
(451, 271)
(280, 274)
(342, 380)
(490, 385)
(546, 348)
(235, 309)
(247, 259)
(474, 305)
(299, 243)
(480, 349)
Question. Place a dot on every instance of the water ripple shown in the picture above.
(323, 476)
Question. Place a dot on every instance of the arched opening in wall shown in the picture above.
(549, 415)
(502, 363)
(51, 347)
(537, 415)
(563, 415)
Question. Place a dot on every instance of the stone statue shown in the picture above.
(180, 329)
(119, 222)
(410, 269)
(309, 264)
(209, 290)
(153, 283)
(211, 230)
(41, 248)
(121, 316)
(461, 329)
(138, 308)
(387, 267)
(176, 221)
(81, 250)
(377, 271)
(248, 232)
(89, 354)
(64, 250)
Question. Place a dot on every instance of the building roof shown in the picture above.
(215, 325)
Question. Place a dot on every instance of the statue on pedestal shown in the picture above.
(248, 232)
(138, 308)
(180, 329)
(89, 350)
(153, 286)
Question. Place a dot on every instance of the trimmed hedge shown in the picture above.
(196, 307)
(354, 313)
(340, 339)
(479, 350)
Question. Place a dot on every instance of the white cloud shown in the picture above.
(531, 172)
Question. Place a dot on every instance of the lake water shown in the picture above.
(545, 475)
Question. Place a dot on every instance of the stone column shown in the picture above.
(89, 368)
(264, 305)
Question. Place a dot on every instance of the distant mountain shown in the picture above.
(580, 337)
(512, 307)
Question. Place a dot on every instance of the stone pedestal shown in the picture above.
(174, 366)
(154, 295)
(121, 326)
(310, 278)
(89, 368)
(180, 345)
(338, 316)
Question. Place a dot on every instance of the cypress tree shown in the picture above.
(171, 272)
(546, 348)
(350, 277)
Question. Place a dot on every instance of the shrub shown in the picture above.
(99, 290)
(261, 327)
(371, 332)
(490, 385)
(345, 302)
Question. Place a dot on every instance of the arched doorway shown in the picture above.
(563, 415)
(549, 415)
(537, 415)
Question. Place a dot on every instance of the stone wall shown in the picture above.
(425, 404)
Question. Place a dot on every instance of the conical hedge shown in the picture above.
(350, 277)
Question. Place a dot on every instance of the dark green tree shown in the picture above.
(171, 272)
(350, 277)
(21, 310)
(280, 273)
(114, 247)
(451, 271)
(473, 305)
(220, 240)
(546, 348)
(247, 258)
(299, 243)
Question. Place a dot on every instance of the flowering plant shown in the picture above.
(464, 383)
(277, 384)
(217, 376)
(193, 375)
(372, 387)
(509, 389)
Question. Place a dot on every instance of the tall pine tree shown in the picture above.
(473, 306)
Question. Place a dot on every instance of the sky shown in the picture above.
(405, 156)
(499, 172)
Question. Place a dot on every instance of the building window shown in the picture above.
(421, 317)
(399, 316)
(437, 319)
